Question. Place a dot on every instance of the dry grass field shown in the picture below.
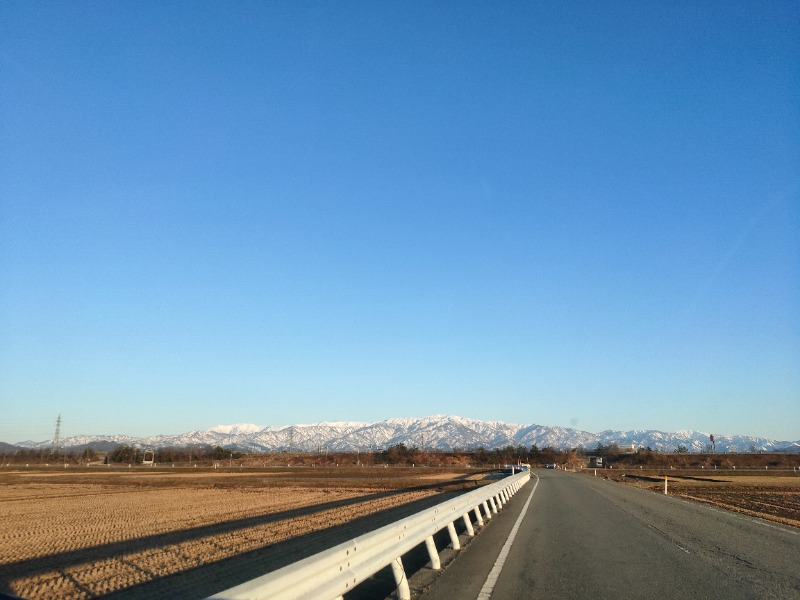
(148, 533)
(133, 533)
(772, 495)
(767, 500)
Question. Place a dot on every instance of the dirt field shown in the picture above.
(133, 533)
(774, 496)
(144, 533)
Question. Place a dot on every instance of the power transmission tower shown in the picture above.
(57, 436)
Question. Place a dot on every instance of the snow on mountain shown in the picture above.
(339, 424)
(437, 432)
(238, 428)
(693, 441)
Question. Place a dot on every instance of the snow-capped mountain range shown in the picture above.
(439, 432)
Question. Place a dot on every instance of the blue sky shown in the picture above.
(290, 212)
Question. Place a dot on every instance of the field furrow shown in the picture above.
(62, 540)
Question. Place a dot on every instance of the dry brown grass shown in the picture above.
(87, 534)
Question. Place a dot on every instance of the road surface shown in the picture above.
(586, 537)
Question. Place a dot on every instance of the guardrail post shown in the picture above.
(451, 529)
(468, 524)
(499, 500)
(486, 510)
(403, 591)
(436, 564)
(493, 504)
(478, 516)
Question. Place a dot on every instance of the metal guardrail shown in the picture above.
(334, 572)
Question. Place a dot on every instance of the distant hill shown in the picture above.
(7, 447)
(795, 447)
(439, 432)
(97, 446)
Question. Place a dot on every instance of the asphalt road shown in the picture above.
(587, 537)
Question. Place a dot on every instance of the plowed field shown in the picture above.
(774, 503)
(145, 534)
(773, 497)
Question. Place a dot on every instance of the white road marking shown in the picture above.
(494, 574)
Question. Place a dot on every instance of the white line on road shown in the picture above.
(494, 574)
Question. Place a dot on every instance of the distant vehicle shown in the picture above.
(518, 468)
(550, 466)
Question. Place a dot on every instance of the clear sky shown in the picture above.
(573, 214)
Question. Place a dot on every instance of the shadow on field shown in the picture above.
(215, 577)
(210, 578)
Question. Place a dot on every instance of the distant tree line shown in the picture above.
(120, 454)
(41, 456)
(400, 454)
(200, 454)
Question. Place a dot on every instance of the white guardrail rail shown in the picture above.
(336, 571)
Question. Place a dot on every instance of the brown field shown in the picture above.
(140, 532)
(773, 495)
(146, 533)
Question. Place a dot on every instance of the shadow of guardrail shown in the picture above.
(204, 580)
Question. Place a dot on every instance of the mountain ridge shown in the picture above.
(436, 432)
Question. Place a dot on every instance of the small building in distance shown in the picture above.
(595, 462)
